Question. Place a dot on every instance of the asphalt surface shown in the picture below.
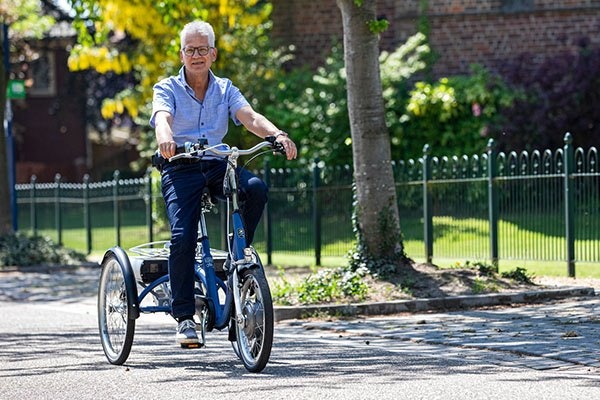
(49, 349)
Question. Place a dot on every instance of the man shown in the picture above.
(197, 104)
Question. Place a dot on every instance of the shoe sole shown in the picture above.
(189, 342)
(196, 345)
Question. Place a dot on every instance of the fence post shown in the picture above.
(267, 223)
(427, 205)
(493, 201)
(116, 213)
(87, 223)
(149, 202)
(57, 209)
(32, 209)
(316, 183)
(569, 152)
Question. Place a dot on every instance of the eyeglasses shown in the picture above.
(202, 50)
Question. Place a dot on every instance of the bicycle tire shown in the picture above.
(115, 323)
(254, 339)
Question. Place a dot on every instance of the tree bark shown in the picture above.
(5, 211)
(375, 188)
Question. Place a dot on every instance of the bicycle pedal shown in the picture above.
(192, 345)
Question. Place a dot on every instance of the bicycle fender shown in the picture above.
(133, 305)
(245, 266)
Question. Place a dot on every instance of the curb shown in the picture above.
(433, 304)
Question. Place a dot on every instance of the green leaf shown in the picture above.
(378, 26)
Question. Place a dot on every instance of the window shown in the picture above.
(42, 73)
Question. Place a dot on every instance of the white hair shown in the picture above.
(201, 27)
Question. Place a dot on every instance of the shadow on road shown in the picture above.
(64, 285)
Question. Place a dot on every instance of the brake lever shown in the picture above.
(277, 147)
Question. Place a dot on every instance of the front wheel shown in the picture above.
(114, 320)
(255, 331)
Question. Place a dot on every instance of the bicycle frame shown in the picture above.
(241, 300)
(240, 256)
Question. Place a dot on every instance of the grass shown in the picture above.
(534, 267)
(455, 239)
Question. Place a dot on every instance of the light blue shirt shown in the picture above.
(194, 119)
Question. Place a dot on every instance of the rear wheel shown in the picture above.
(114, 320)
(255, 330)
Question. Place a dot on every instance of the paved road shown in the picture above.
(49, 349)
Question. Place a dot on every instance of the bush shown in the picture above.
(519, 274)
(453, 115)
(563, 93)
(21, 250)
(328, 285)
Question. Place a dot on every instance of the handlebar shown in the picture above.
(197, 150)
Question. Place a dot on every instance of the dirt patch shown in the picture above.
(422, 280)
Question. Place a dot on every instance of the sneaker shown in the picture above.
(186, 333)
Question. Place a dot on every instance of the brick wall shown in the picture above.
(462, 32)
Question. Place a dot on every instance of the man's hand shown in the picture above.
(167, 149)
(288, 145)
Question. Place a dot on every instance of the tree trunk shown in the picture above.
(377, 214)
(5, 211)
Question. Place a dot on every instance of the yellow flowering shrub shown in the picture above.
(142, 38)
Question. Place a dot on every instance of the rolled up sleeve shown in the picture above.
(162, 100)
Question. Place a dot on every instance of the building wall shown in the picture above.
(49, 125)
(462, 32)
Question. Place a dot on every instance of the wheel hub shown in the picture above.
(252, 318)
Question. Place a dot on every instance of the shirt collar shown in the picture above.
(211, 79)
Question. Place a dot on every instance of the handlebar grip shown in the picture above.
(277, 147)
(158, 161)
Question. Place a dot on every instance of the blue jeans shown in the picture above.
(182, 188)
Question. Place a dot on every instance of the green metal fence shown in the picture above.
(493, 206)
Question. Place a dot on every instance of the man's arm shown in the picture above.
(262, 127)
(164, 134)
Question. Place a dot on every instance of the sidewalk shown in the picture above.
(559, 334)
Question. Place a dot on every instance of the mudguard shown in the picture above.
(133, 304)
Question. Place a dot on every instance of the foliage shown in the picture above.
(325, 286)
(25, 19)
(563, 93)
(454, 114)
(484, 286)
(519, 274)
(482, 267)
(378, 26)
(314, 107)
(21, 250)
